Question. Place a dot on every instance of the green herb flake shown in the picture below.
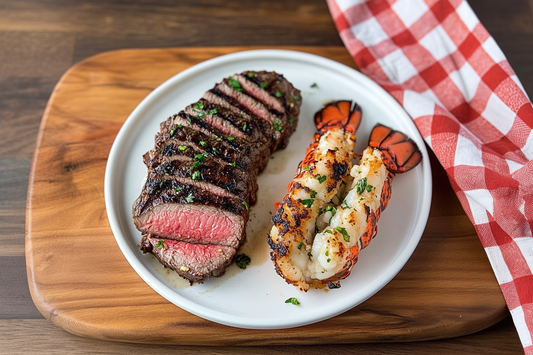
(213, 111)
(306, 167)
(313, 193)
(293, 301)
(196, 164)
(199, 157)
(369, 188)
(220, 251)
(300, 245)
(244, 127)
(245, 205)
(203, 144)
(160, 244)
(180, 126)
(234, 84)
(178, 188)
(277, 125)
(328, 231)
(328, 260)
(321, 179)
(264, 85)
(196, 175)
(215, 150)
(233, 164)
(291, 120)
(172, 131)
(361, 186)
(307, 203)
(320, 211)
(251, 74)
(314, 85)
(182, 147)
(344, 234)
(231, 139)
(329, 208)
(296, 97)
(278, 94)
(190, 198)
(242, 260)
(199, 105)
(326, 253)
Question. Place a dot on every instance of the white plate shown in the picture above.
(255, 298)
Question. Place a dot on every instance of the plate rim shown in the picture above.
(404, 253)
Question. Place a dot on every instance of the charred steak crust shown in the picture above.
(202, 171)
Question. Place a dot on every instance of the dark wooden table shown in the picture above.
(41, 39)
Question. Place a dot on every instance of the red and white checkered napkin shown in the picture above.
(441, 64)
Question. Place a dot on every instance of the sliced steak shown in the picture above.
(194, 262)
(186, 212)
(202, 171)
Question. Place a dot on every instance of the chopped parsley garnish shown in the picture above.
(321, 179)
(369, 188)
(296, 97)
(326, 253)
(314, 85)
(313, 193)
(215, 150)
(329, 208)
(278, 94)
(190, 198)
(199, 105)
(231, 138)
(172, 131)
(244, 127)
(328, 260)
(160, 244)
(199, 157)
(291, 120)
(178, 188)
(179, 126)
(245, 205)
(242, 260)
(345, 205)
(196, 164)
(344, 233)
(328, 231)
(320, 211)
(182, 147)
(188, 121)
(203, 144)
(293, 301)
(220, 251)
(196, 175)
(233, 164)
(300, 245)
(213, 111)
(307, 203)
(361, 186)
(306, 167)
(234, 84)
(277, 125)
(264, 85)
(251, 75)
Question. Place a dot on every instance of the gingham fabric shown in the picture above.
(444, 68)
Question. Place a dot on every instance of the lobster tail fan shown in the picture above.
(400, 153)
(338, 114)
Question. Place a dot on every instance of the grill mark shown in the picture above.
(256, 107)
(252, 88)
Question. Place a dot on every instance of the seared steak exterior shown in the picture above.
(202, 171)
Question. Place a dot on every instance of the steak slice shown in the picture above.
(194, 262)
(186, 212)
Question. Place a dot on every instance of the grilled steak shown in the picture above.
(202, 171)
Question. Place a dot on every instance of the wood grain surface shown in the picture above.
(41, 39)
(102, 297)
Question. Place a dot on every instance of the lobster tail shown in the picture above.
(339, 114)
(400, 153)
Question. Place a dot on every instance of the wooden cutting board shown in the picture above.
(80, 280)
